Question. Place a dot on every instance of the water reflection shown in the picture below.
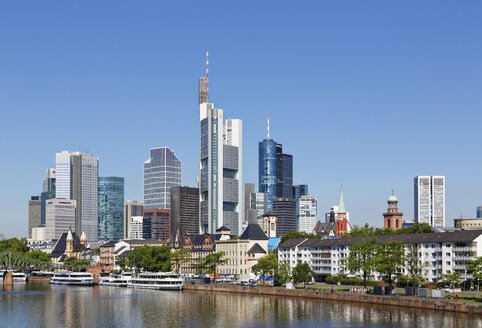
(66, 306)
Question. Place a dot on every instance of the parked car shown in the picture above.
(244, 283)
(277, 283)
(253, 283)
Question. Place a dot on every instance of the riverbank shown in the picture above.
(402, 301)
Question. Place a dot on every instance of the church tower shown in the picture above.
(341, 222)
(392, 219)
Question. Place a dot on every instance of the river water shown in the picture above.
(68, 306)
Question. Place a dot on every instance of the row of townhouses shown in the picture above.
(440, 252)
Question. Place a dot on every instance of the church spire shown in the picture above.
(341, 207)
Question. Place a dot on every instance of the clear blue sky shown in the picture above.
(367, 94)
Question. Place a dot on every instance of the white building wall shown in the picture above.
(63, 168)
(307, 211)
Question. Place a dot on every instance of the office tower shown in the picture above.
(49, 181)
(111, 208)
(284, 173)
(248, 190)
(157, 224)
(59, 217)
(306, 213)
(34, 214)
(252, 217)
(300, 190)
(131, 208)
(220, 167)
(259, 202)
(184, 213)
(285, 210)
(267, 178)
(392, 219)
(136, 227)
(429, 200)
(77, 177)
(479, 212)
(161, 172)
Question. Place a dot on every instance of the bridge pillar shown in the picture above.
(8, 279)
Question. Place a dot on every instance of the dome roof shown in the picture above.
(392, 198)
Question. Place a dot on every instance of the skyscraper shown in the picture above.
(307, 211)
(429, 200)
(59, 217)
(300, 190)
(49, 181)
(161, 172)
(285, 210)
(111, 208)
(248, 190)
(220, 163)
(34, 214)
(131, 208)
(184, 213)
(284, 173)
(259, 203)
(77, 175)
(479, 212)
(157, 224)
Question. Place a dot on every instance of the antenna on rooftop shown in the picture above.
(268, 126)
(207, 74)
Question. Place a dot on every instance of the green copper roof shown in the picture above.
(392, 198)
(341, 207)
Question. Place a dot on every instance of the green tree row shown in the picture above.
(20, 246)
(365, 231)
(268, 265)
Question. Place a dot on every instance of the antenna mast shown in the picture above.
(268, 126)
(207, 75)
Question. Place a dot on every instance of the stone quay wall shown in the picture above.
(403, 301)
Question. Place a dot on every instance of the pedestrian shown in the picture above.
(456, 298)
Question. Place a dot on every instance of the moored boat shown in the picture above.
(157, 280)
(73, 278)
(115, 279)
(19, 276)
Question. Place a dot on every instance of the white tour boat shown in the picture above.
(19, 276)
(115, 279)
(72, 278)
(157, 280)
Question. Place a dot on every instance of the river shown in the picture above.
(68, 306)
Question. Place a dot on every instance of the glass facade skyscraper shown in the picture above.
(267, 177)
(111, 208)
(161, 172)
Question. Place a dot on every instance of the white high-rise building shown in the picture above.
(220, 167)
(77, 178)
(307, 211)
(332, 214)
(59, 217)
(136, 226)
(429, 200)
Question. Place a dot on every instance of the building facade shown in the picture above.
(157, 224)
(285, 211)
(468, 223)
(479, 212)
(136, 227)
(77, 176)
(34, 214)
(59, 217)
(267, 174)
(429, 200)
(162, 171)
(184, 213)
(284, 173)
(111, 208)
(131, 208)
(306, 213)
(259, 203)
(300, 190)
(248, 190)
(392, 219)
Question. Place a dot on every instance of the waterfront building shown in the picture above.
(392, 219)
(34, 214)
(300, 190)
(248, 190)
(285, 211)
(161, 172)
(69, 244)
(468, 223)
(77, 177)
(259, 203)
(429, 200)
(441, 252)
(156, 224)
(59, 217)
(479, 212)
(136, 229)
(184, 213)
(111, 208)
(242, 253)
(220, 163)
(109, 252)
(270, 221)
(131, 208)
(306, 213)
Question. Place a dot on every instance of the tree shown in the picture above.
(15, 245)
(452, 279)
(267, 265)
(75, 262)
(284, 271)
(297, 235)
(150, 258)
(96, 250)
(212, 261)
(362, 258)
(365, 231)
(475, 269)
(414, 265)
(38, 255)
(303, 272)
(122, 262)
(390, 257)
(180, 257)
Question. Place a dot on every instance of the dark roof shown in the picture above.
(108, 244)
(324, 228)
(256, 249)
(416, 238)
(119, 250)
(292, 242)
(145, 241)
(61, 244)
(269, 214)
(125, 254)
(223, 228)
(253, 232)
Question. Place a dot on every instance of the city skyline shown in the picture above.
(344, 129)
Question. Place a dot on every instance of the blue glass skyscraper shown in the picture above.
(111, 208)
(267, 178)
